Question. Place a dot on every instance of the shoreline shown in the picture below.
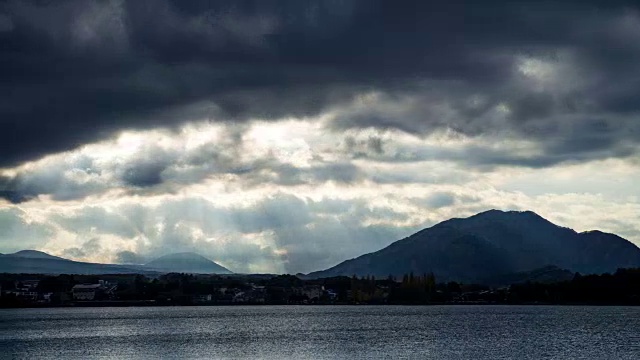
(151, 303)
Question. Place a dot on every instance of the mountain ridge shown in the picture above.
(493, 243)
(34, 261)
(186, 262)
(487, 245)
(33, 254)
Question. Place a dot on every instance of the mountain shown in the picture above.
(44, 263)
(546, 275)
(187, 263)
(491, 244)
(33, 254)
(37, 262)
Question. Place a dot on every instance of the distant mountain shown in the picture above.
(493, 243)
(187, 263)
(37, 262)
(33, 254)
(48, 264)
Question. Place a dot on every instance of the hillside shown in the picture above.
(32, 254)
(55, 265)
(187, 263)
(37, 262)
(493, 244)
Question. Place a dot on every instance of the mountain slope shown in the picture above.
(490, 244)
(33, 254)
(37, 262)
(55, 265)
(547, 274)
(186, 263)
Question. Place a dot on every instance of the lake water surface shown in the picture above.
(323, 332)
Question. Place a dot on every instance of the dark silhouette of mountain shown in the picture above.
(33, 254)
(37, 262)
(545, 275)
(186, 262)
(47, 264)
(490, 244)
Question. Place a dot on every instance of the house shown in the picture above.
(26, 289)
(89, 292)
(25, 294)
(30, 284)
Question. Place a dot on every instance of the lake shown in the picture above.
(323, 332)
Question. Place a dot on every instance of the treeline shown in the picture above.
(620, 288)
(411, 289)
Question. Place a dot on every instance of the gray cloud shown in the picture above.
(89, 247)
(96, 218)
(439, 200)
(56, 178)
(531, 85)
(152, 169)
(76, 71)
(18, 233)
(129, 257)
(282, 232)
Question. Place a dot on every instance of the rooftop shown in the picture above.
(86, 286)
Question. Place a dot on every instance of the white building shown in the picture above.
(86, 291)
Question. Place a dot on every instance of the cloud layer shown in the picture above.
(286, 197)
(286, 136)
(562, 74)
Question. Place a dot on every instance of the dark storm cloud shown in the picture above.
(145, 175)
(55, 179)
(590, 139)
(76, 71)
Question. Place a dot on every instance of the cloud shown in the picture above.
(278, 233)
(156, 162)
(282, 231)
(19, 232)
(439, 200)
(97, 219)
(88, 248)
(309, 229)
(285, 154)
(286, 136)
(129, 257)
(6, 24)
(78, 71)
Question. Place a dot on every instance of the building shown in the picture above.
(30, 284)
(86, 292)
(26, 289)
(89, 292)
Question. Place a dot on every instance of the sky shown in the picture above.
(288, 136)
